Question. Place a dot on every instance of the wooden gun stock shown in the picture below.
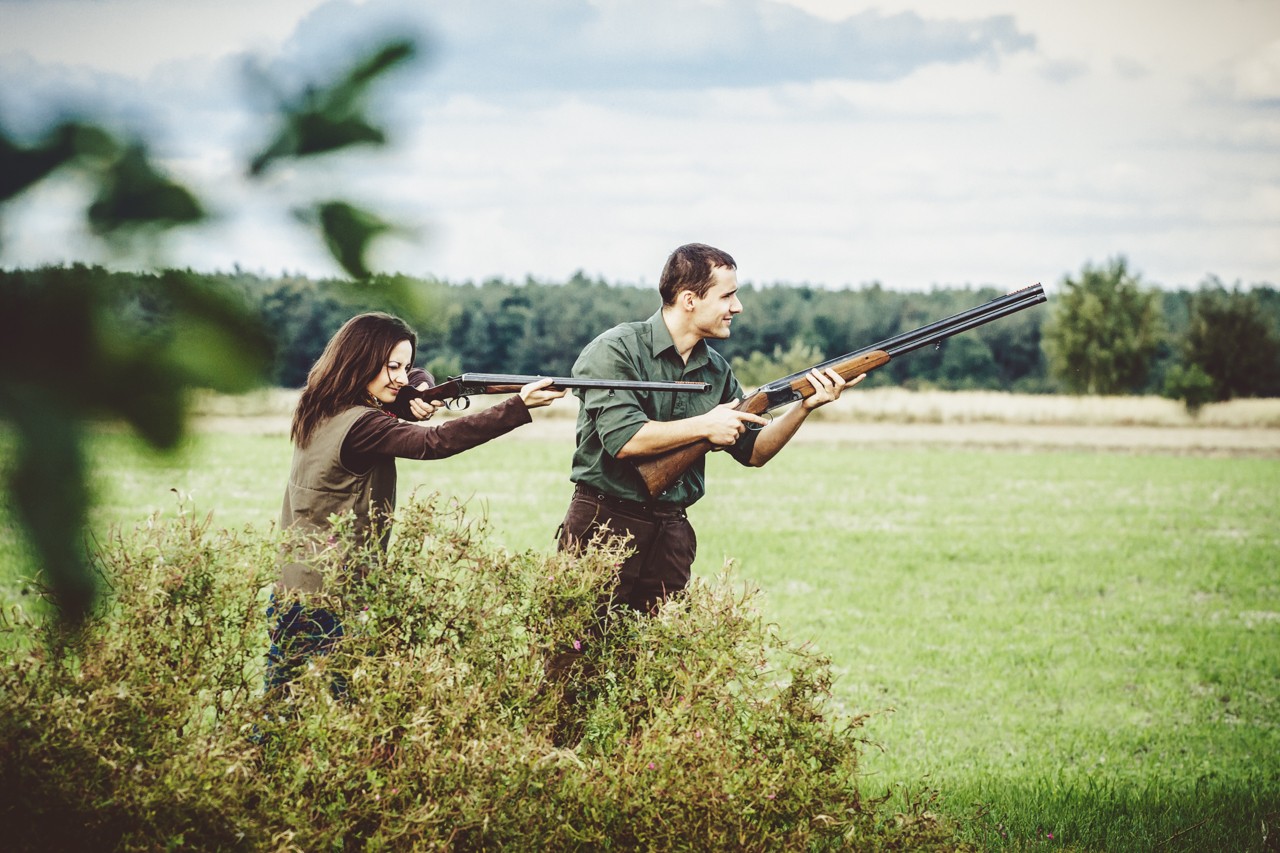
(661, 471)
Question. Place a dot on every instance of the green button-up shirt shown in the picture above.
(608, 419)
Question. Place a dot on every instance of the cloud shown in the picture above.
(1256, 77)
(181, 108)
(1063, 70)
(1128, 68)
(516, 49)
(35, 95)
(577, 46)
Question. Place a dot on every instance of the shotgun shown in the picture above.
(660, 471)
(457, 391)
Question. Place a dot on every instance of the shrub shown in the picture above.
(758, 368)
(1191, 385)
(147, 728)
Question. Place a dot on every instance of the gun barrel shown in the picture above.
(781, 391)
(574, 382)
(934, 332)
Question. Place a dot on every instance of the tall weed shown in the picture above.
(700, 728)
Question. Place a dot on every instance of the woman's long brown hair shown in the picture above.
(340, 377)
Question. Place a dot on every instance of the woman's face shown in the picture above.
(393, 375)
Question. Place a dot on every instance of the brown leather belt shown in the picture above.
(658, 509)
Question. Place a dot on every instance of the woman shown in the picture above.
(346, 440)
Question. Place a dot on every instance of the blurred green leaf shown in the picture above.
(427, 304)
(134, 195)
(347, 231)
(136, 349)
(190, 335)
(384, 59)
(47, 482)
(328, 119)
(22, 167)
(216, 340)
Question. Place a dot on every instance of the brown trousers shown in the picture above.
(662, 541)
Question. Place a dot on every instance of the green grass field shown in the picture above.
(1073, 650)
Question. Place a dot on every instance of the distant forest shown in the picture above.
(538, 327)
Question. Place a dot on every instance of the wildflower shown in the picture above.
(577, 647)
(652, 766)
(770, 796)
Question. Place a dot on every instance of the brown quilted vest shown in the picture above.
(319, 487)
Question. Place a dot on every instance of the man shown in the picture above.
(699, 288)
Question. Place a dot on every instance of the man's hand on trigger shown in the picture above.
(724, 424)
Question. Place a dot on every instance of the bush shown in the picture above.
(147, 728)
(1190, 384)
(758, 368)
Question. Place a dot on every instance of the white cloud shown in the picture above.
(511, 46)
(1257, 75)
(133, 37)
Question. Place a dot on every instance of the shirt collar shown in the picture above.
(660, 341)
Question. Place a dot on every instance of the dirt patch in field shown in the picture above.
(1197, 441)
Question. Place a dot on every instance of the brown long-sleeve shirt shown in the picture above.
(379, 434)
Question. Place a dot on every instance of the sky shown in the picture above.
(915, 143)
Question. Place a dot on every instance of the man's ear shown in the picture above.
(685, 299)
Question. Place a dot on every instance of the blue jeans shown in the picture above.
(296, 635)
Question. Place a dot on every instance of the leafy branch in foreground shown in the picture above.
(322, 120)
(701, 728)
(76, 345)
(138, 366)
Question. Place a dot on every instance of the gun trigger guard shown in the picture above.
(458, 404)
(768, 416)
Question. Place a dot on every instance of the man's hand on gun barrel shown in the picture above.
(827, 387)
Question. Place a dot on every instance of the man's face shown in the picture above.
(713, 312)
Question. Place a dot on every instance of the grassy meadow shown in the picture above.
(1073, 649)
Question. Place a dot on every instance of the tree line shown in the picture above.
(1102, 332)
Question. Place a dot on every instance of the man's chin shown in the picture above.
(716, 333)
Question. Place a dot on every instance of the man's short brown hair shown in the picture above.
(689, 268)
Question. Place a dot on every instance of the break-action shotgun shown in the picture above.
(661, 471)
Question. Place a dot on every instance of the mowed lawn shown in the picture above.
(1072, 649)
